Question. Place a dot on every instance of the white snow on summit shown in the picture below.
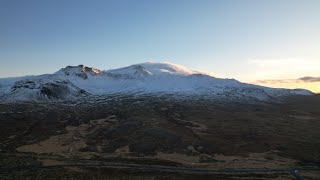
(166, 68)
(152, 68)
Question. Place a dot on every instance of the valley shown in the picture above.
(163, 130)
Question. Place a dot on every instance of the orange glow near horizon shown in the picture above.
(312, 86)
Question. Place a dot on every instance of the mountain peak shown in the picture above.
(87, 69)
(154, 68)
(80, 70)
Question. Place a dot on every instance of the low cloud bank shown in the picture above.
(299, 80)
(310, 79)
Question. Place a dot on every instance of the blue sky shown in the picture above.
(245, 39)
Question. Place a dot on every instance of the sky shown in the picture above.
(267, 42)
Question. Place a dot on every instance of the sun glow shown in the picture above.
(312, 86)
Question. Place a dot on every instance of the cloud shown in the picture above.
(274, 81)
(309, 79)
(304, 79)
(276, 62)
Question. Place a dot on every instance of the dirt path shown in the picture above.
(161, 168)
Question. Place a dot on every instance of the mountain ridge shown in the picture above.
(73, 82)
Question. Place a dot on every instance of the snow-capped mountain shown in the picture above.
(73, 82)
